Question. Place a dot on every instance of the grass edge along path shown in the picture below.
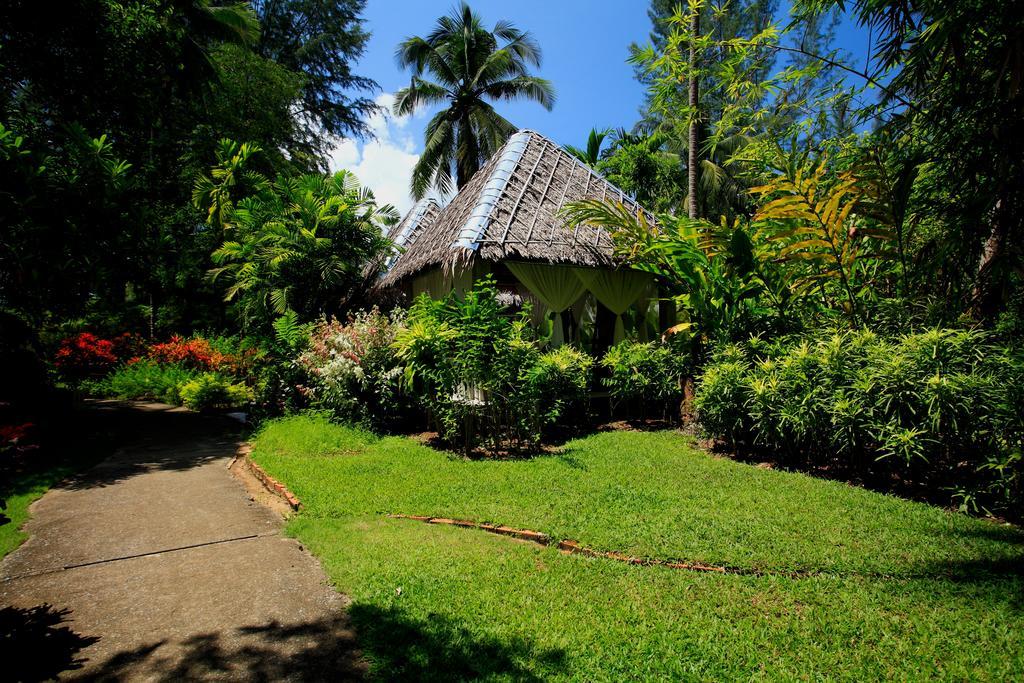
(433, 600)
(78, 440)
(28, 487)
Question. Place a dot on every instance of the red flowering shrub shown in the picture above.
(85, 354)
(196, 353)
(128, 345)
(18, 439)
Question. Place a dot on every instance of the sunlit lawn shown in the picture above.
(890, 589)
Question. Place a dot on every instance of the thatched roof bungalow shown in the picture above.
(506, 222)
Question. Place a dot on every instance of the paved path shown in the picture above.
(157, 565)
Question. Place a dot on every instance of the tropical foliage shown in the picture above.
(482, 375)
(789, 190)
(117, 107)
(645, 374)
(880, 409)
(296, 243)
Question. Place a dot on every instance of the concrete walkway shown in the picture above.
(157, 565)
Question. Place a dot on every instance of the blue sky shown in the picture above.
(585, 46)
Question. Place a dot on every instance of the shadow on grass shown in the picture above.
(36, 644)
(401, 647)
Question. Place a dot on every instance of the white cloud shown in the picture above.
(384, 164)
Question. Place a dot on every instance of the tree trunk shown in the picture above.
(692, 161)
(686, 409)
(987, 294)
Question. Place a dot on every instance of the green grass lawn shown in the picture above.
(896, 589)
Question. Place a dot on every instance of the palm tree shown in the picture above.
(468, 67)
(205, 24)
(592, 153)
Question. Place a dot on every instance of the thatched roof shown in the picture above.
(404, 233)
(420, 216)
(508, 210)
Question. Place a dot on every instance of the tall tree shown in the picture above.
(469, 65)
(706, 42)
(742, 18)
(693, 96)
(320, 39)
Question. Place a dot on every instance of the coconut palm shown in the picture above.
(591, 154)
(468, 67)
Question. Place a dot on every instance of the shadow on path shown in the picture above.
(399, 647)
(36, 643)
(322, 650)
(151, 437)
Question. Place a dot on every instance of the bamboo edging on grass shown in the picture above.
(571, 547)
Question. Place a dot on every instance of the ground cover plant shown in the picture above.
(890, 588)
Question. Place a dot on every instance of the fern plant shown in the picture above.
(289, 333)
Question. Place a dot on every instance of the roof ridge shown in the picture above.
(508, 160)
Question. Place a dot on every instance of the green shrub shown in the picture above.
(562, 376)
(943, 408)
(722, 399)
(211, 390)
(480, 373)
(642, 373)
(144, 380)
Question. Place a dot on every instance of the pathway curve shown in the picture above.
(157, 565)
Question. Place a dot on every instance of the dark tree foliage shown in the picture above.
(141, 74)
(956, 101)
(163, 81)
(320, 39)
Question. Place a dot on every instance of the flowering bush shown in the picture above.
(355, 372)
(196, 353)
(16, 437)
(86, 355)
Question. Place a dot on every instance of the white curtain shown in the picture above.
(616, 289)
(433, 282)
(557, 287)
